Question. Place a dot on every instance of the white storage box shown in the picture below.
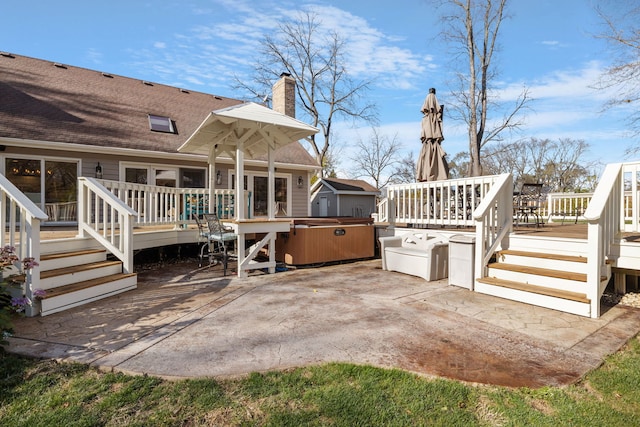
(462, 258)
(418, 254)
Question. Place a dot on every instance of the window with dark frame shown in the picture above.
(161, 124)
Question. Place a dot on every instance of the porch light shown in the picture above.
(300, 181)
(218, 178)
(99, 171)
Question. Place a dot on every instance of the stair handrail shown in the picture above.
(383, 210)
(22, 220)
(605, 219)
(107, 219)
(494, 221)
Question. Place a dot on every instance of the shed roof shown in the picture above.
(340, 185)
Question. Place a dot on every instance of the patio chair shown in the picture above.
(219, 238)
(528, 204)
(204, 238)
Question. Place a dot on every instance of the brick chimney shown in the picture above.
(284, 95)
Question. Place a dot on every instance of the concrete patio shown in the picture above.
(185, 321)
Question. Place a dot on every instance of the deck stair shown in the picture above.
(548, 280)
(78, 277)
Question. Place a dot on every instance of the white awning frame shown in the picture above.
(250, 130)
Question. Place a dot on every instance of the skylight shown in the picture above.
(161, 124)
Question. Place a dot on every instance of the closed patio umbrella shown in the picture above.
(432, 165)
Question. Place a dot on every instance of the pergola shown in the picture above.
(242, 131)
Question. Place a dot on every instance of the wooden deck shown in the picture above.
(572, 231)
(556, 230)
(568, 231)
(575, 231)
(52, 233)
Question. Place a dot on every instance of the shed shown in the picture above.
(332, 197)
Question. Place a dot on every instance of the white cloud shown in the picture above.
(564, 102)
(372, 54)
(230, 46)
(554, 44)
(569, 83)
(94, 56)
(560, 84)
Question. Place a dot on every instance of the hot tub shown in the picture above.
(321, 240)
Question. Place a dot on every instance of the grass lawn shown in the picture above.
(46, 393)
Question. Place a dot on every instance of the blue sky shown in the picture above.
(546, 45)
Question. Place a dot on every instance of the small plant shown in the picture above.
(12, 297)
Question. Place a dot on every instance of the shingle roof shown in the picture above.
(44, 101)
(350, 185)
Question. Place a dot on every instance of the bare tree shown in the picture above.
(623, 36)
(459, 165)
(405, 170)
(325, 91)
(471, 28)
(559, 165)
(331, 161)
(566, 168)
(376, 156)
(506, 157)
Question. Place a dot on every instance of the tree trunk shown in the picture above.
(475, 168)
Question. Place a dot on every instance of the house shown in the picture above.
(59, 122)
(108, 154)
(343, 197)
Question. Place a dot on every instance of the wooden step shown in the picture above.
(51, 261)
(558, 257)
(77, 269)
(542, 290)
(77, 294)
(53, 256)
(62, 290)
(536, 271)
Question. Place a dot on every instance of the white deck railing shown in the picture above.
(605, 218)
(155, 205)
(383, 210)
(107, 219)
(565, 206)
(572, 206)
(631, 207)
(441, 203)
(108, 210)
(494, 220)
(21, 220)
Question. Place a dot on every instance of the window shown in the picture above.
(260, 189)
(25, 175)
(192, 178)
(163, 175)
(161, 124)
(257, 185)
(137, 175)
(50, 184)
(166, 178)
